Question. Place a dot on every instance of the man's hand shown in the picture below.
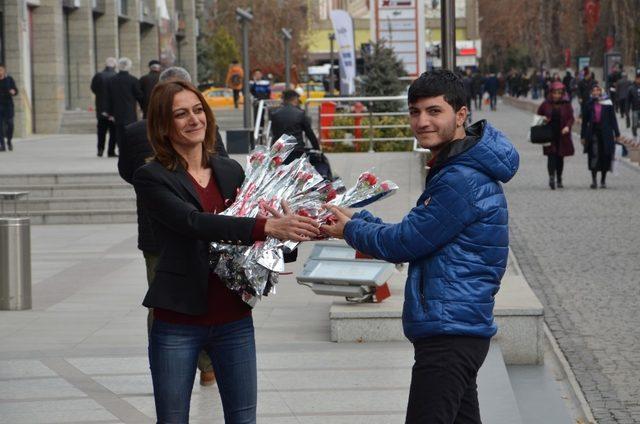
(583, 141)
(12, 91)
(565, 130)
(342, 216)
(289, 226)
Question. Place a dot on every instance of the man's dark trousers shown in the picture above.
(104, 126)
(443, 381)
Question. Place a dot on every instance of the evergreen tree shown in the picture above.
(382, 72)
(215, 52)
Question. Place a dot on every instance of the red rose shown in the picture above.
(384, 186)
(277, 161)
(278, 146)
(369, 178)
(331, 195)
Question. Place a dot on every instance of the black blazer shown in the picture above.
(124, 92)
(100, 87)
(134, 152)
(147, 83)
(184, 231)
(292, 120)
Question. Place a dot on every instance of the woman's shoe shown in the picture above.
(207, 378)
(552, 183)
(593, 185)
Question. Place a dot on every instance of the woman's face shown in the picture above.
(596, 92)
(189, 119)
(556, 95)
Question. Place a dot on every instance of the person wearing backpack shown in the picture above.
(235, 76)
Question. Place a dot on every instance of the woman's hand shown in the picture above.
(566, 130)
(289, 226)
(583, 141)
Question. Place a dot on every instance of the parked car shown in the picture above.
(220, 97)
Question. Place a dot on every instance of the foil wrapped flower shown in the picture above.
(252, 271)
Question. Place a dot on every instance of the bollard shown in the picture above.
(15, 264)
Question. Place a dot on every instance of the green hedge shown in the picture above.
(363, 146)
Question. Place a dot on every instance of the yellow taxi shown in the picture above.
(314, 91)
(220, 97)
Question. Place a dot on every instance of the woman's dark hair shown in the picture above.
(439, 82)
(160, 127)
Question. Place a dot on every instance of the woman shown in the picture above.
(182, 188)
(599, 135)
(559, 114)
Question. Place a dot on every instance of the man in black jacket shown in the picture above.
(8, 90)
(134, 151)
(147, 82)
(100, 88)
(291, 119)
(124, 93)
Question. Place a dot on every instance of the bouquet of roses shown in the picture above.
(252, 271)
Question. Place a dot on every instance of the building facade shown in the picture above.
(52, 48)
(467, 27)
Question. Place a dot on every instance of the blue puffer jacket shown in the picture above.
(456, 239)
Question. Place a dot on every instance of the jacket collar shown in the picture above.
(222, 177)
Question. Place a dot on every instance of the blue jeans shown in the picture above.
(173, 355)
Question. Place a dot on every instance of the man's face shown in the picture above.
(434, 122)
(257, 75)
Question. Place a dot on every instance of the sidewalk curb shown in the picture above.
(579, 397)
(579, 400)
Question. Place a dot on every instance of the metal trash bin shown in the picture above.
(15, 264)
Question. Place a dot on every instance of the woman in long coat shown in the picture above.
(599, 134)
(559, 113)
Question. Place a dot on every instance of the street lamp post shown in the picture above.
(332, 84)
(286, 36)
(448, 24)
(244, 16)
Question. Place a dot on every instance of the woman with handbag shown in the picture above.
(182, 188)
(558, 112)
(599, 134)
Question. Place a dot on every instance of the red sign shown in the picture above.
(609, 42)
(567, 58)
(468, 52)
(591, 15)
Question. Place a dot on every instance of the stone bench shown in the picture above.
(518, 313)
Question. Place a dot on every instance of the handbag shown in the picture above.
(541, 134)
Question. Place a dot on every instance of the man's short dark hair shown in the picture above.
(439, 82)
(289, 96)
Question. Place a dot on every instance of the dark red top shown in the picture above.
(224, 305)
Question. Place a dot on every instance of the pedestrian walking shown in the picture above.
(147, 82)
(568, 83)
(183, 188)
(456, 241)
(622, 88)
(134, 153)
(558, 112)
(291, 119)
(124, 93)
(235, 81)
(634, 103)
(8, 90)
(491, 86)
(100, 89)
(584, 88)
(599, 135)
(477, 82)
(467, 81)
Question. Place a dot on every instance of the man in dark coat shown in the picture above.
(134, 152)
(124, 93)
(147, 82)
(8, 90)
(291, 119)
(477, 83)
(491, 85)
(100, 88)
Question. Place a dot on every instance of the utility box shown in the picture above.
(239, 141)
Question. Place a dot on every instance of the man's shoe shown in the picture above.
(559, 185)
(10, 146)
(2, 149)
(552, 184)
(113, 155)
(603, 185)
(594, 186)
(207, 378)
(100, 153)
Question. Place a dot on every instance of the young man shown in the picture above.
(235, 81)
(456, 240)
